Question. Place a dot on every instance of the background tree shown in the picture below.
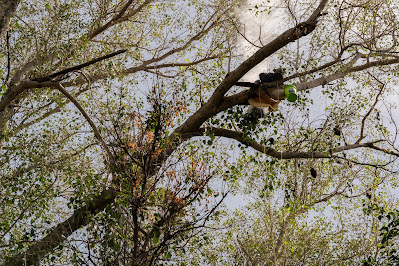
(134, 168)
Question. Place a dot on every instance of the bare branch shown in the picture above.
(361, 137)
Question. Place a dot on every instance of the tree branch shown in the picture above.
(361, 137)
(279, 92)
(59, 87)
(232, 78)
(115, 20)
(7, 10)
(62, 231)
(118, 18)
(239, 136)
(145, 65)
(78, 67)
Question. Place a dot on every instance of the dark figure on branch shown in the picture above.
(270, 77)
(313, 172)
(337, 131)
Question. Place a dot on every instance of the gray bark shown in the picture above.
(7, 10)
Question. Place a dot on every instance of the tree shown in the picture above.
(7, 10)
(144, 172)
(386, 252)
(62, 166)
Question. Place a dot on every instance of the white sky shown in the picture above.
(260, 27)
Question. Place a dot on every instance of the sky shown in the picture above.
(259, 26)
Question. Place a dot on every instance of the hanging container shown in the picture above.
(290, 93)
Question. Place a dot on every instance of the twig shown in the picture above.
(8, 57)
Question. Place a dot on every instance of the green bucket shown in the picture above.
(290, 93)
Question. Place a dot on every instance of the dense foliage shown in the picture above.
(125, 139)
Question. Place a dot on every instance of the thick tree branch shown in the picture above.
(232, 78)
(325, 80)
(61, 232)
(285, 38)
(15, 91)
(279, 92)
(7, 10)
(42, 82)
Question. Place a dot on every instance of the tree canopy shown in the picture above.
(125, 137)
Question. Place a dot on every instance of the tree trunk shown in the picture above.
(7, 10)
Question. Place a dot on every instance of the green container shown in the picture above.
(290, 93)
